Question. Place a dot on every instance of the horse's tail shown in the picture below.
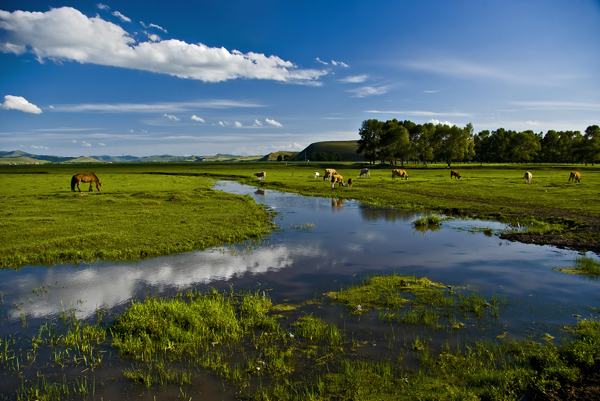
(73, 183)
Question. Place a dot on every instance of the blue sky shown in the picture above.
(149, 77)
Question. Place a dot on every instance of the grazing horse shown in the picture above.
(85, 177)
(454, 173)
(399, 173)
(261, 175)
(316, 174)
(350, 182)
(528, 176)
(365, 172)
(337, 178)
(575, 176)
(328, 173)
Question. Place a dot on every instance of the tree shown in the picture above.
(457, 143)
(395, 143)
(370, 137)
(524, 146)
(279, 158)
(592, 146)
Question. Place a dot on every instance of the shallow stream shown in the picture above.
(323, 245)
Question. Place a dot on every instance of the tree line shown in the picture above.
(392, 141)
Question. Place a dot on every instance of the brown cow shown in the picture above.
(337, 178)
(261, 175)
(350, 182)
(575, 176)
(528, 176)
(454, 173)
(399, 173)
(328, 173)
(337, 202)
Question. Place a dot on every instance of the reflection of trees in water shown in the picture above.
(423, 229)
(370, 213)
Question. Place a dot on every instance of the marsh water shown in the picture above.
(322, 245)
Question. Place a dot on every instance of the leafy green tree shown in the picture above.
(279, 158)
(395, 143)
(524, 146)
(592, 147)
(370, 137)
(457, 143)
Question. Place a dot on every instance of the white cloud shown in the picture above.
(101, 144)
(171, 117)
(559, 105)
(322, 62)
(196, 118)
(65, 34)
(74, 141)
(51, 107)
(121, 16)
(158, 27)
(130, 130)
(356, 79)
(19, 103)
(257, 123)
(533, 123)
(86, 144)
(436, 122)
(39, 147)
(369, 91)
(419, 113)
(238, 124)
(223, 124)
(102, 6)
(273, 122)
(153, 37)
(155, 107)
(340, 63)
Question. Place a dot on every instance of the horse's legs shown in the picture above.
(78, 186)
(91, 189)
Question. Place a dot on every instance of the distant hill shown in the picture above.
(346, 150)
(84, 159)
(272, 157)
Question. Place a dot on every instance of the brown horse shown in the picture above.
(85, 177)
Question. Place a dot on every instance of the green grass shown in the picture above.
(235, 336)
(135, 216)
(587, 265)
(147, 210)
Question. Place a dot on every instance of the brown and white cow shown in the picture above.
(454, 173)
(528, 176)
(575, 176)
(261, 175)
(328, 173)
(337, 178)
(399, 173)
(365, 173)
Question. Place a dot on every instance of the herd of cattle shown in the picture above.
(332, 176)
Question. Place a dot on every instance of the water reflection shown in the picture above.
(318, 251)
(261, 191)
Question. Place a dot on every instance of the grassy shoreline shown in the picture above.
(147, 210)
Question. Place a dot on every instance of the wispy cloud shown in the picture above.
(19, 103)
(102, 6)
(171, 117)
(273, 122)
(356, 79)
(96, 41)
(154, 107)
(436, 122)
(558, 105)
(196, 118)
(340, 63)
(419, 113)
(237, 124)
(257, 123)
(467, 70)
(121, 16)
(321, 61)
(369, 91)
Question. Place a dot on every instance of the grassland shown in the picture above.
(146, 210)
(135, 216)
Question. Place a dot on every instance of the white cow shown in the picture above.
(365, 172)
(316, 175)
(528, 176)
